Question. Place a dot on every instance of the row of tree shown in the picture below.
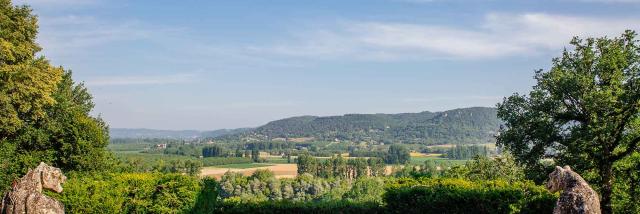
(465, 152)
(339, 167)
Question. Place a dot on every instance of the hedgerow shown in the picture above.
(130, 193)
(176, 193)
(462, 196)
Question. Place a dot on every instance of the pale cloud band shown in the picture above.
(497, 35)
(141, 80)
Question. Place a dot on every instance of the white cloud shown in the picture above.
(55, 3)
(62, 35)
(497, 35)
(492, 99)
(141, 80)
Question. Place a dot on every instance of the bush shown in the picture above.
(299, 207)
(130, 193)
(460, 196)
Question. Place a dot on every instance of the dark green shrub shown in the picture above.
(269, 207)
(130, 193)
(460, 196)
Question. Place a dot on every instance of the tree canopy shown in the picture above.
(44, 114)
(583, 112)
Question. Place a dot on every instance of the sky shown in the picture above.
(208, 65)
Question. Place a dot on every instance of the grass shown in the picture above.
(128, 148)
(437, 160)
(278, 160)
(243, 165)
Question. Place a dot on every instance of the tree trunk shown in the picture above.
(607, 188)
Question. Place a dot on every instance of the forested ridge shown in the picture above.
(466, 125)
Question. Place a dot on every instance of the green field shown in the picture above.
(128, 148)
(437, 160)
(279, 160)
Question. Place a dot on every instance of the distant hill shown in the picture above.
(466, 125)
(170, 134)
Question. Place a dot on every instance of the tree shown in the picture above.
(376, 165)
(398, 154)
(27, 82)
(255, 155)
(213, 151)
(238, 153)
(307, 164)
(44, 114)
(583, 112)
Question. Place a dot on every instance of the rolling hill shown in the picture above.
(170, 134)
(466, 125)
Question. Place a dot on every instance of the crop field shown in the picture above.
(280, 170)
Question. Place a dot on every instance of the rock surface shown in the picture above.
(26, 195)
(576, 196)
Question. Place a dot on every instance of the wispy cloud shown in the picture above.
(497, 35)
(72, 34)
(261, 104)
(56, 3)
(452, 98)
(141, 80)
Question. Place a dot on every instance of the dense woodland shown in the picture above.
(469, 125)
(583, 112)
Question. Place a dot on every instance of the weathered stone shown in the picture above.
(26, 195)
(576, 196)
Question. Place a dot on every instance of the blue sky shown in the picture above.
(227, 64)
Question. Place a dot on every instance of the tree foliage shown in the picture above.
(465, 152)
(44, 114)
(340, 168)
(398, 154)
(583, 112)
(213, 151)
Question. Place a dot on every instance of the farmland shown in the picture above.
(280, 170)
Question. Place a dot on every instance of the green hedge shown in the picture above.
(269, 207)
(460, 196)
(176, 193)
(132, 193)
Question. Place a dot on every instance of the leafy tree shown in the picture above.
(238, 153)
(376, 165)
(255, 155)
(499, 168)
(307, 164)
(339, 166)
(583, 112)
(398, 154)
(27, 82)
(366, 190)
(464, 152)
(44, 114)
(213, 151)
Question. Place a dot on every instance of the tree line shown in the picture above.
(339, 167)
(465, 152)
